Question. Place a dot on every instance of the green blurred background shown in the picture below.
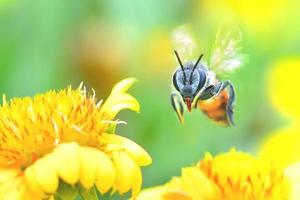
(51, 44)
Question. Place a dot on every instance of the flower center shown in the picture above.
(32, 127)
(241, 176)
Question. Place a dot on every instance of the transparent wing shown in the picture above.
(226, 55)
(184, 43)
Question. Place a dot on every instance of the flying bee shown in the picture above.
(197, 84)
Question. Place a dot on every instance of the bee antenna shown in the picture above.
(195, 66)
(181, 65)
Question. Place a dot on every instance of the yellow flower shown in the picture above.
(232, 175)
(255, 14)
(283, 87)
(282, 145)
(66, 137)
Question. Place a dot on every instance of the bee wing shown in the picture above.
(226, 57)
(184, 43)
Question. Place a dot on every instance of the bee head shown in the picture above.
(188, 81)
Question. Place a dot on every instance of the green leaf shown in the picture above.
(90, 194)
(66, 192)
(56, 197)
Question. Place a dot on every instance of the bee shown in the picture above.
(197, 84)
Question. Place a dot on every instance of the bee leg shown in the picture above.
(177, 106)
(211, 91)
(231, 99)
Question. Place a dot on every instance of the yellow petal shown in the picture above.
(137, 184)
(105, 174)
(282, 146)
(154, 193)
(197, 184)
(7, 174)
(17, 192)
(140, 156)
(175, 190)
(31, 180)
(14, 189)
(125, 101)
(123, 86)
(176, 196)
(175, 184)
(172, 191)
(46, 174)
(293, 175)
(8, 186)
(88, 168)
(119, 100)
(30, 195)
(67, 162)
(126, 169)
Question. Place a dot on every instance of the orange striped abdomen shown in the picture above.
(215, 108)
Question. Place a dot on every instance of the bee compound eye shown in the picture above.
(175, 81)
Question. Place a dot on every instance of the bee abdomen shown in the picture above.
(216, 108)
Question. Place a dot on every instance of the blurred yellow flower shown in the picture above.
(232, 175)
(283, 145)
(283, 87)
(67, 137)
(255, 13)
